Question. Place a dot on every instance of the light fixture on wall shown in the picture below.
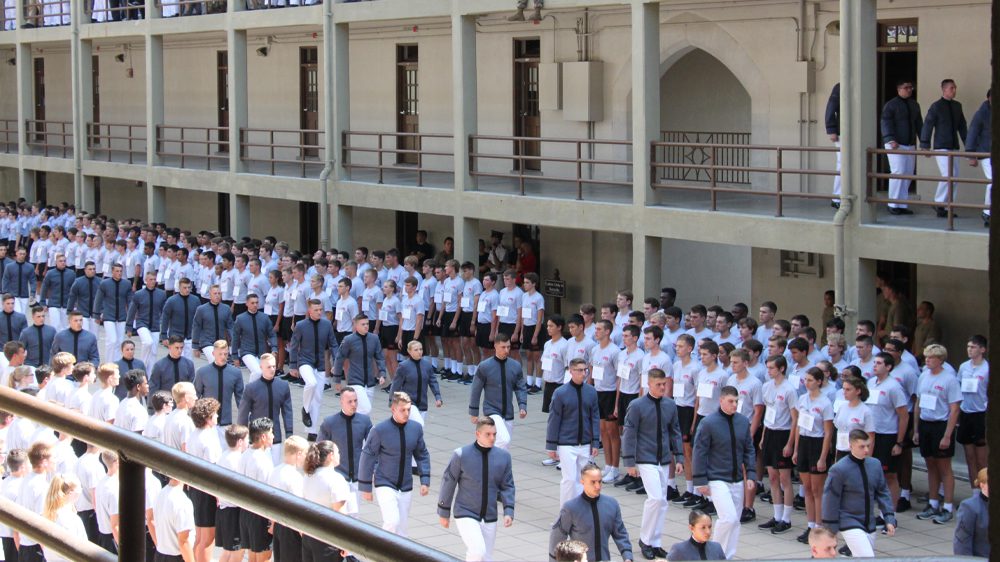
(12, 61)
(266, 49)
(120, 57)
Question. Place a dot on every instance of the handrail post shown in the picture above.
(520, 166)
(951, 191)
(420, 161)
(779, 181)
(712, 180)
(379, 158)
(208, 146)
(344, 151)
(132, 510)
(579, 171)
(272, 150)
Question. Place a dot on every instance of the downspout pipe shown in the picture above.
(79, 128)
(328, 126)
(839, 243)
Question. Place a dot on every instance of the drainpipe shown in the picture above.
(77, 111)
(839, 264)
(324, 176)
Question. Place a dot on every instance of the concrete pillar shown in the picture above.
(342, 224)
(154, 94)
(645, 95)
(83, 192)
(156, 203)
(25, 110)
(86, 201)
(238, 112)
(338, 97)
(152, 10)
(860, 292)
(647, 258)
(19, 14)
(463, 75)
(26, 184)
(239, 215)
(466, 239)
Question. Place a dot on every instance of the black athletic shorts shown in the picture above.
(446, 331)
(227, 529)
(387, 335)
(773, 449)
(972, 428)
(205, 506)
(606, 403)
(483, 335)
(882, 450)
(547, 390)
(253, 532)
(528, 332)
(285, 328)
(931, 433)
(508, 329)
(465, 324)
(810, 451)
(623, 401)
(685, 417)
(908, 436)
(407, 338)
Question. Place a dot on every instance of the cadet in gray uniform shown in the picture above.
(172, 369)
(253, 337)
(945, 120)
(74, 339)
(111, 310)
(348, 429)
(221, 381)
(37, 338)
(698, 547)
(12, 322)
(366, 366)
(144, 316)
(854, 487)
(178, 316)
(213, 321)
(497, 381)
(416, 377)
(311, 339)
(573, 429)
(268, 397)
(477, 476)
(593, 519)
(82, 294)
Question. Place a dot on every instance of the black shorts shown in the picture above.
(316, 551)
(483, 335)
(697, 421)
(547, 391)
(508, 330)
(756, 442)
(387, 335)
(908, 436)
(623, 401)
(107, 542)
(810, 451)
(685, 416)
(287, 544)
(972, 428)
(160, 557)
(239, 308)
(253, 532)
(882, 450)
(407, 338)
(931, 433)
(339, 336)
(227, 529)
(89, 519)
(429, 328)
(528, 332)
(606, 403)
(773, 449)
(446, 320)
(285, 328)
(205, 506)
(465, 324)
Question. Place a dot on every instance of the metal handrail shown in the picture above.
(37, 11)
(96, 135)
(8, 128)
(207, 142)
(713, 167)
(206, 6)
(520, 158)
(38, 135)
(53, 536)
(737, 154)
(247, 146)
(380, 149)
(302, 515)
(127, 12)
(949, 205)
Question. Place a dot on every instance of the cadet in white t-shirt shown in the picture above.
(344, 310)
(777, 445)
(533, 334)
(288, 478)
(487, 320)
(850, 413)
(973, 380)
(325, 486)
(655, 358)
(603, 364)
(554, 364)
(751, 405)
(173, 518)
(106, 495)
(132, 414)
(104, 404)
(227, 518)
(178, 426)
(685, 371)
(934, 418)
(708, 383)
(472, 290)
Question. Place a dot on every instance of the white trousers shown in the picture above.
(21, 305)
(572, 459)
(987, 166)
(900, 164)
(862, 544)
(114, 335)
(505, 431)
(90, 326)
(57, 319)
(277, 452)
(252, 364)
(149, 341)
(353, 500)
(206, 352)
(941, 195)
(654, 509)
(395, 508)
(728, 501)
(312, 395)
(479, 538)
(365, 395)
(836, 179)
(188, 350)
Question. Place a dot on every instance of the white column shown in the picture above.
(645, 95)
(236, 40)
(337, 97)
(465, 108)
(25, 109)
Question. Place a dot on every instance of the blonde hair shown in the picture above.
(182, 389)
(936, 350)
(62, 360)
(60, 488)
(19, 374)
(981, 478)
(220, 344)
(295, 445)
(105, 371)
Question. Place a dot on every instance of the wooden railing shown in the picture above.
(210, 143)
(366, 150)
(46, 13)
(735, 153)
(283, 149)
(108, 139)
(579, 157)
(50, 137)
(8, 135)
(715, 169)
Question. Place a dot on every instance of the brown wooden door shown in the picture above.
(96, 95)
(407, 114)
(527, 119)
(309, 100)
(223, 99)
(40, 99)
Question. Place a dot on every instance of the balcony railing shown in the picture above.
(272, 4)
(117, 142)
(46, 13)
(953, 157)
(736, 153)
(563, 161)
(117, 10)
(172, 8)
(409, 154)
(50, 137)
(194, 145)
(8, 135)
(714, 167)
(282, 151)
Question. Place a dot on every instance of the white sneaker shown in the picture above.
(611, 476)
(604, 471)
(549, 462)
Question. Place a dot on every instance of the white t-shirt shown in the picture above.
(708, 389)
(257, 464)
(204, 443)
(173, 513)
(106, 498)
(848, 418)
(286, 478)
(177, 429)
(67, 519)
(10, 489)
(32, 497)
(684, 382)
(778, 403)
(131, 415)
(326, 487)
(104, 405)
(91, 473)
(750, 393)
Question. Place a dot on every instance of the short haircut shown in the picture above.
(295, 444)
(779, 362)
(936, 350)
(686, 339)
(741, 353)
(501, 338)
(709, 346)
(16, 459)
(39, 452)
(160, 399)
(62, 360)
(674, 311)
(818, 533)
(109, 457)
(631, 330)
(754, 346)
(656, 331)
(400, 398)
(571, 551)
(203, 410)
(978, 339)
(182, 389)
(655, 373)
(887, 358)
(557, 320)
(770, 306)
(133, 378)
(485, 421)
(106, 370)
(577, 361)
(799, 344)
(858, 435)
(235, 433)
(729, 391)
(260, 427)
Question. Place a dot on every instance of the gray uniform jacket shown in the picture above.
(224, 383)
(169, 371)
(19, 279)
(497, 382)
(212, 322)
(267, 399)
(37, 341)
(146, 309)
(723, 447)
(310, 340)
(82, 344)
(414, 378)
(56, 287)
(178, 316)
(979, 139)
(349, 433)
(365, 355)
(476, 477)
(853, 489)
(972, 527)
(253, 334)
(577, 520)
(652, 432)
(113, 298)
(574, 418)
(946, 121)
(693, 550)
(901, 121)
(125, 366)
(11, 326)
(386, 456)
(82, 295)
